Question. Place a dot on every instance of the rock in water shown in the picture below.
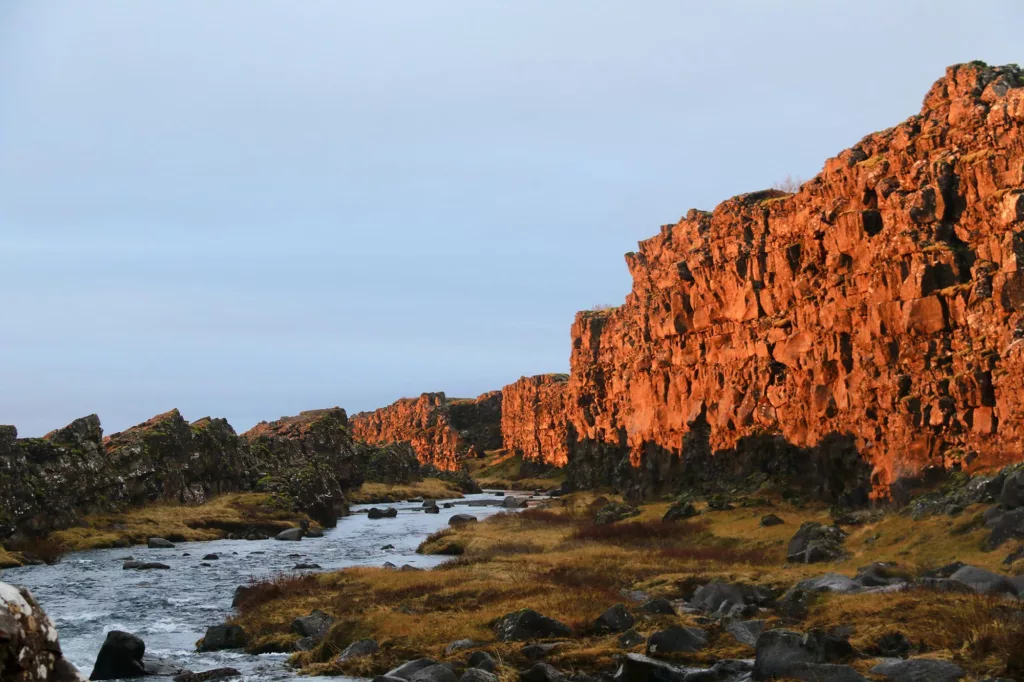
(376, 513)
(220, 637)
(29, 649)
(290, 535)
(159, 543)
(461, 519)
(119, 657)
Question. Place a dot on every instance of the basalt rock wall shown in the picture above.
(442, 431)
(871, 325)
(534, 419)
(50, 483)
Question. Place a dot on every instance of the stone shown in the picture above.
(919, 670)
(312, 628)
(511, 502)
(482, 660)
(119, 657)
(218, 637)
(432, 510)
(145, 566)
(306, 567)
(314, 532)
(207, 675)
(676, 640)
(616, 619)
(434, 673)
(387, 547)
(712, 596)
(879, 574)
(459, 645)
(535, 652)
(769, 520)
(983, 581)
(461, 519)
(478, 675)
(1014, 556)
(159, 543)
(541, 672)
(29, 648)
(782, 653)
(815, 542)
(528, 624)
(745, 631)
(892, 645)
(638, 668)
(1012, 494)
(829, 582)
(631, 638)
(1005, 525)
(658, 606)
(407, 670)
(359, 648)
(375, 513)
(680, 512)
(613, 512)
(211, 557)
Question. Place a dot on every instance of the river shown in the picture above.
(88, 593)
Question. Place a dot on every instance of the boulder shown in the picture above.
(478, 675)
(385, 547)
(680, 512)
(783, 653)
(829, 582)
(879, 574)
(306, 567)
(211, 557)
(207, 675)
(511, 502)
(535, 652)
(388, 513)
(119, 657)
(615, 511)
(725, 670)
(769, 520)
(891, 645)
(314, 532)
(541, 672)
(676, 640)
(459, 645)
(616, 619)
(658, 606)
(1014, 556)
(312, 629)
(815, 542)
(461, 519)
(637, 668)
(434, 673)
(745, 631)
(159, 543)
(218, 637)
(162, 667)
(290, 535)
(410, 668)
(29, 649)
(716, 594)
(918, 670)
(431, 510)
(361, 647)
(528, 624)
(429, 503)
(1012, 494)
(1004, 525)
(631, 638)
(482, 660)
(983, 581)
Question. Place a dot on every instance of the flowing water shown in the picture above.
(88, 593)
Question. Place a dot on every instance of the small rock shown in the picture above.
(159, 543)
(410, 668)
(658, 606)
(615, 511)
(434, 673)
(219, 637)
(1014, 556)
(745, 631)
(631, 638)
(306, 567)
(528, 624)
(815, 542)
(313, 627)
(145, 566)
(388, 513)
(616, 619)
(461, 519)
(387, 547)
(679, 512)
(478, 675)
(314, 532)
(207, 676)
(211, 557)
(362, 647)
(541, 672)
(676, 640)
(432, 510)
(769, 520)
(482, 660)
(535, 652)
(638, 668)
(290, 535)
(459, 645)
(514, 503)
(919, 670)
(892, 645)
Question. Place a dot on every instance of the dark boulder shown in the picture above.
(478, 675)
(306, 567)
(434, 673)
(726, 670)
(815, 542)
(919, 670)
(410, 668)
(983, 581)
(769, 520)
(388, 513)
(1012, 494)
(891, 645)
(207, 675)
(290, 535)
(482, 660)
(528, 624)
(1008, 525)
(745, 631)
(631, 638)
(431, 510)
(720, 596)
(461, 519)
(782, 653)
(541, 672)
(879, 574)
(144, 566)
(159, 543)
(680, 512)
(616, 619)
(220, 637)
(658, 606)
(119, 657)
(676, 640)
(211, 557)
(535, 652)
(638, 668)
(312, 629)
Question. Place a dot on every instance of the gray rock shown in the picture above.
(1005, 525)
(892, 645)
(983, 581)
(714, 595)
(434, 673)
(219, 637)
(745, 631)
(815, 542)
(314, 532)
(528, 624)
(637, 668)
(769, 520)
(290, 535)
(159, 543)
(313, 628)
(726, 670)
(211, 557)
(1014, 556)
(511, 502)
(145, 566)
(459, 645)
(878, 574)
(432, 510)
(482, 660)
(616, 619)
(207, 675)
(388, 513)
(631, 638)
(410, 668)
(29, 648)
(680, 512)
(478, 675)
(918, 670)
(461, 519)
(782, 653)
(658, 606)
(1012, 494)
(541, 672)
(535, 652)
(162, 667)
(676, 640)
(359, 648)
(829, 582)
(429, 503)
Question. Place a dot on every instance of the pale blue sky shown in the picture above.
(250, 208)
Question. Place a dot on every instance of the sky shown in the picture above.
(248, 208)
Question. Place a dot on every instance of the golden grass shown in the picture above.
(221, 515)
(553, 560)
(380, 493)
(502, 469)
(8, 559)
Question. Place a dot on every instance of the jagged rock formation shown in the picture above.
(442, 431)
(49, 483)
(534, 418)
(29, 647)
(870, 324)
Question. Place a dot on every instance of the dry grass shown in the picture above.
(8, 559)
(556, 561)
(383, 493)
(221, 515)
(502, 469)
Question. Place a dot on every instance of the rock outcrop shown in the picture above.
(442, 431)
(49, 483)
(29, 648)
(850, 335)
(534, 419)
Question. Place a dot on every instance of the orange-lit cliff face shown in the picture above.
(884, 300)
(442, 431)
(534, 418)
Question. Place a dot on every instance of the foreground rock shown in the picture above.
(528, 624)
(219, 637)
(815, 542)
(123, 655)
(919, 670)
(815, 656)
(29, 649)
(312, 629)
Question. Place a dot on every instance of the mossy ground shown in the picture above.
(557, 562)
(503, 470)
(233, 512)
(379, 493)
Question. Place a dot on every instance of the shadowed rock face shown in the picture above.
(859, 331)
(442, 431)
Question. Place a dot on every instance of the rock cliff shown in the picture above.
(442, 431)
(49, 483)
(860, 331)
(534, 418)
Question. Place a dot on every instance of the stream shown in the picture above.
(88, 593)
